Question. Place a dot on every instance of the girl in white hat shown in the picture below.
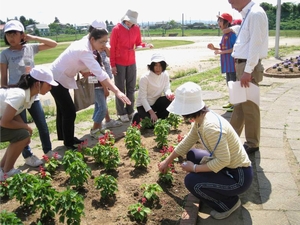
(13, 101)
(218, 174)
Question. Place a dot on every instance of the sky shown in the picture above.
(67, 11)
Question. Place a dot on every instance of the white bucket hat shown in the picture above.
(42, 73)
(130, 16)
(188, 99)
(13, 25)
(157, 57)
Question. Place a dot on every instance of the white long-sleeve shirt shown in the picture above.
(151, 87)
(252, 39)
(77, 57)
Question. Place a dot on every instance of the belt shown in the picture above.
(240, 60)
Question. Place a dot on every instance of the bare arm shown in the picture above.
(45, 43)
(3, 71)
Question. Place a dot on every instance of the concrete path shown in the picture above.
(274, 197)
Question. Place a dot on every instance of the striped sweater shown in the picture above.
(229, 153)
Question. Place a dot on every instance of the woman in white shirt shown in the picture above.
(78, 57)
(152, 85)
(13, 101)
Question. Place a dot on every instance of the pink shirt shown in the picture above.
(77, 57)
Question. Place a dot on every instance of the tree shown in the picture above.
(56, 20)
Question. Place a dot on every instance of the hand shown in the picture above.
(120, 95)
(245, 79)
(170, 97)
(211, 46)
(218, 52)
(28, 37)
(154, 117)
(163, 166)
(187, 166)
(29, 130)
(85, 74)
(149, 45)
(114, 71)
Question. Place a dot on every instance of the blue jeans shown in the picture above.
(37, 113)
(100, 106)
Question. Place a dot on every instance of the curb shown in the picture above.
(190, 213)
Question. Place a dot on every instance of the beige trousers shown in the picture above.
(248, 113)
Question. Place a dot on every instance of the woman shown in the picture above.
(16, 60)
(13, 102)
(78, 57)
(124, 39)
(220, 173)
(150, 102)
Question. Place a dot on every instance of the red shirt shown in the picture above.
(123, 43)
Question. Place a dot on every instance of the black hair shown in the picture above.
(91, 28)
(26, 81)
(225, 22)
(194, 115)
(97, 33)
(11, 32)
(162, 63)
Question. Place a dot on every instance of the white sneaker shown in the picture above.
(112, 123)
(51, 154)
(33, 161)
(4, 176)
(96, 133)
(124, 118)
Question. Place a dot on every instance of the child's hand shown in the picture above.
(211, 46)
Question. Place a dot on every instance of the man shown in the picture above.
(250, 48)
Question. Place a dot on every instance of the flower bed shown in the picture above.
(289, 68)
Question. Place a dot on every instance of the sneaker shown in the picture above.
(228, 105)
(223, 215)
(230, 109)
(4, 176)
(96, 133)
(33, 161)
(51, 154)
(124, 118)
(112, 123)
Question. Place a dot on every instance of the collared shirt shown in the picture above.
(77, 57)
(17, 98)
(151, 87)
(252, 39)
(229, 152)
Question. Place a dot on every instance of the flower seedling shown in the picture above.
(132, 138)
(141, 156)
(52, 163)
(9, 218)
(107, 184)
(150, 191)
(161, 130)
(146, 123)
(139, 212)
(174, 120)
(70, 204)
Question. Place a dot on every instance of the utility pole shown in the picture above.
(278, 15)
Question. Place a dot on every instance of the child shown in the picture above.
(225, 50)
(14, 101)
(16, 60)
(150, 101)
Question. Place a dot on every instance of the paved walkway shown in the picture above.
(274, 197)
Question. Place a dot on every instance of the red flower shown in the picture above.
(144, 200)
(139, 209)
(46, 158)
(179, 138)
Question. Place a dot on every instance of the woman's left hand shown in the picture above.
(170, 97)
(187, 166)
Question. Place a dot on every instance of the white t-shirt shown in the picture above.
(17, 98)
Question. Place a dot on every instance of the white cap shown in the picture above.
(157, 57)
(188, 99)
(98, 24)
(13, 25)
(130, 16)
(42, 73)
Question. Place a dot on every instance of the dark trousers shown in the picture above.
(218, 190)
(159, 107)
(65, 114)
